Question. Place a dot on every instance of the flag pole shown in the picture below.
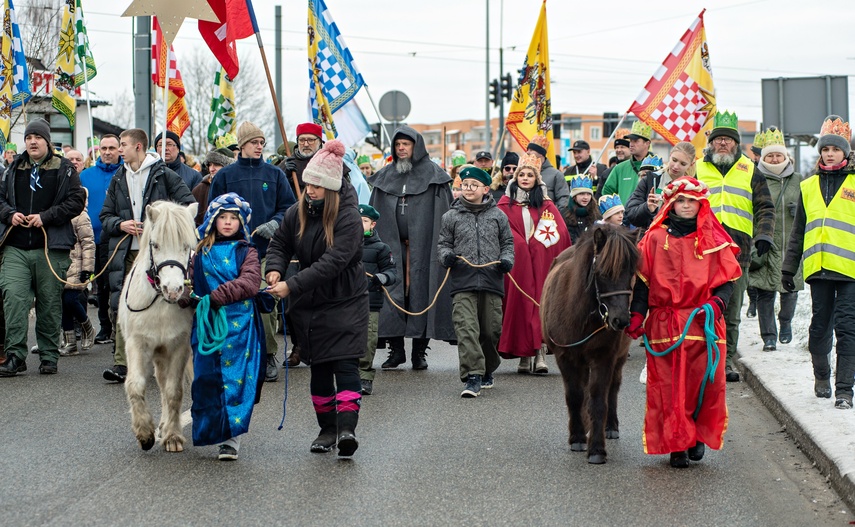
(89, 111)
(165, 111)
(382, 126)
(606, 146)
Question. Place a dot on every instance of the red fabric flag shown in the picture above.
(164, 65)
(236, 22)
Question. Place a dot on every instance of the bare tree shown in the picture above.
(117, 111)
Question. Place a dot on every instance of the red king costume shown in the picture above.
(683, 273)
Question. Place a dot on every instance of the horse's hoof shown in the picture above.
(597, 459)
(174, 446)
(578, 447)
(612, 434)
(147, 443)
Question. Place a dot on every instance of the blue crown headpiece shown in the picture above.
(652, 162)
(608, 202)
(581, 182)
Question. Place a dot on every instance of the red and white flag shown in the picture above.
(163, 67)
(678, 102)
(237, 21)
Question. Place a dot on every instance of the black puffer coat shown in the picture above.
(377, 259)
(329, 296)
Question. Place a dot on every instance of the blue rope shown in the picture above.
(713, 353)
(211, 334)
(284, 399)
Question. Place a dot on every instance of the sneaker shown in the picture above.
(117, 373)
(525, 365)
(769, 345)
(227, 453)
(822, 388)
(473, 386)
(367, 387)
(103, 337)
(843, 402)
(487, 381)
(48, 367)
(272, 373)
(730, 375)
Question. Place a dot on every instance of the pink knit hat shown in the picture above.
(324, 169)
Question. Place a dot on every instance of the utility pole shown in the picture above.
(142, 75)
(277, 135)
(488, 136)
(501, 130)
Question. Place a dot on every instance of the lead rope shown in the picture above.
(285, 398)
(212, 328)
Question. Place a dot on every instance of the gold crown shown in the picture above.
(528, 160)
(773, 136)
(642, 129)
(759, 140)
(836, 127)
(548, 216)
(620, 133)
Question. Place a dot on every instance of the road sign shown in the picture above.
(395, 106)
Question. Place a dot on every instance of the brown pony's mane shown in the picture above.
(618, 249)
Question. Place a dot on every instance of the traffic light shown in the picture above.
(494, 92)
(376, 138)
(610, 120)
(507, 87)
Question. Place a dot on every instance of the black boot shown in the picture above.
(347, 443)
(680, 459)
(397, 354)
(696, 453)
(785, 335)
(326, 439)
(420, 347)
(844, 377)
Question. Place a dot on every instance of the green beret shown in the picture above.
(369, 212)
(476, 173)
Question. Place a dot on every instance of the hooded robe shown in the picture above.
(424, 195)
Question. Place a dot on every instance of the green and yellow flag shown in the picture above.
(531, 108)
(74, 62)
(223, 107)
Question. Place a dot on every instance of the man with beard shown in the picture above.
(309, 140)
(621, 145)
(623, 178)
(742, 203)
(411, 194)
(584, 163)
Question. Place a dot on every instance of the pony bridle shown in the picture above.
(602, 308)
(153, 272)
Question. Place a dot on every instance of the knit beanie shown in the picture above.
(311, 129)
(511, 158)
(247, 132)
(169, 135)
(221, 156)
(835, 132)
(324, 169)
(39, 127)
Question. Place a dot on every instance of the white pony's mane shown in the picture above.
(172, 228)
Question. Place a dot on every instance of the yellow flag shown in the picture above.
(531, 108)
(64, 83)
(678, 102)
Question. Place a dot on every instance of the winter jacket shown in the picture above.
(556, 185)
(329, 295)
(580, 168)
(96, 179)
(377, 259)
(622, 179)
(829, 183)
(58, 201)
(244, 287)
(765, 271)
(190, 177)
(265, 188)
(764, 214)
(481, 234)
(636, 212)
(576, 224)
(200, 194)
(83, 253)
(162, 184)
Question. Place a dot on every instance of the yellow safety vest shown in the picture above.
(731, 196)
(829, 231)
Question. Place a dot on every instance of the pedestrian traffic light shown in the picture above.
(494, 92)
(507, 87)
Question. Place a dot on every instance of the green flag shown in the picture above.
(85, 64)
(223, 107)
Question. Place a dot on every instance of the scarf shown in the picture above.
(680, 227)
(777, 170)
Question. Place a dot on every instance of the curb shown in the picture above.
(843, 484)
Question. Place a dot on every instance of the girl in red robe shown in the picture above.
(539, 236)
(687, 261)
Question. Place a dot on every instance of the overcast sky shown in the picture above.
(602, 53)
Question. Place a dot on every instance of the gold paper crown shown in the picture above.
(541, 140)
(726, 120)
(528, 160)
(836, 127)
(546, 215)
(620, 133)
(759, 140)
(773, 136)
(642, 129)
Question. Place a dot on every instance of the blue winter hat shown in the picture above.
(581, 184)
(230, 202)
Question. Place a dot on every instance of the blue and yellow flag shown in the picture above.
(333, 76)
(15, 87)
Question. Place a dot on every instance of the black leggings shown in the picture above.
(338, 377)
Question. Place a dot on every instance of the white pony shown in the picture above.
(156, 330)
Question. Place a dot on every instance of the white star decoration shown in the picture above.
(171, 13)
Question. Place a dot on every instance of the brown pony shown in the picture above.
(584, 309)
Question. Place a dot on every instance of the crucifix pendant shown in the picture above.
(403, 205)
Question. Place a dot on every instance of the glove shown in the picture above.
(449, 259)
(84, 276)
(290, 166)
(505, 265)
(267, 230)
(378, 281)
(635, 328)
(762, 247)
(788, 282)
(717, 306)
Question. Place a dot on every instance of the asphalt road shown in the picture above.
(426, 457)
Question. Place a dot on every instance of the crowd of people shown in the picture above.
(360, 259)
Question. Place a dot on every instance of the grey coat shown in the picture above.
(556, 185)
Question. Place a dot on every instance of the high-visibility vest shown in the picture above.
(731, 196)
(829, 230)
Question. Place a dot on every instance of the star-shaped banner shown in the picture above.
(171, 13)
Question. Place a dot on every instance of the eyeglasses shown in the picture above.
(471, 186)
(509, 168)
(258, 142)
(723, 140)
(307, 140)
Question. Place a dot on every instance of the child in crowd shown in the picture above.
(473, 228)
(377, 260)
(611, 209)
(74, 295)
(647, 196)
(227, 383)
(583, 211)
(687, 261)
(823, 234)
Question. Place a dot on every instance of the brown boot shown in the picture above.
(294, 358)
